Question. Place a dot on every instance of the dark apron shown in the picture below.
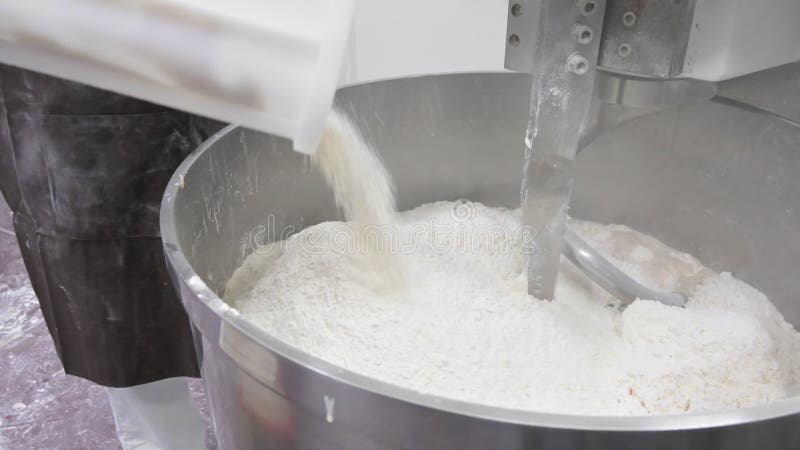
(84, 170)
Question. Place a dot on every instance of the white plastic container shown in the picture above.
(271, 65)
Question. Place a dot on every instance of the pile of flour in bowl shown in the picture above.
(435, 300)
(461, 324)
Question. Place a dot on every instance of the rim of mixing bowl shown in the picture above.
(199, 288)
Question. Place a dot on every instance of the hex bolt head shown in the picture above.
(577, 64)
(582, 33)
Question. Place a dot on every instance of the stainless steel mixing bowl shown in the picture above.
(717, 181)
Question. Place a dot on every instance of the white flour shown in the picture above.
(361, 184)
(363, 190)
(463, 327)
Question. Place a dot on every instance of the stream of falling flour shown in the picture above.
(363, 190)
(361, 184)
